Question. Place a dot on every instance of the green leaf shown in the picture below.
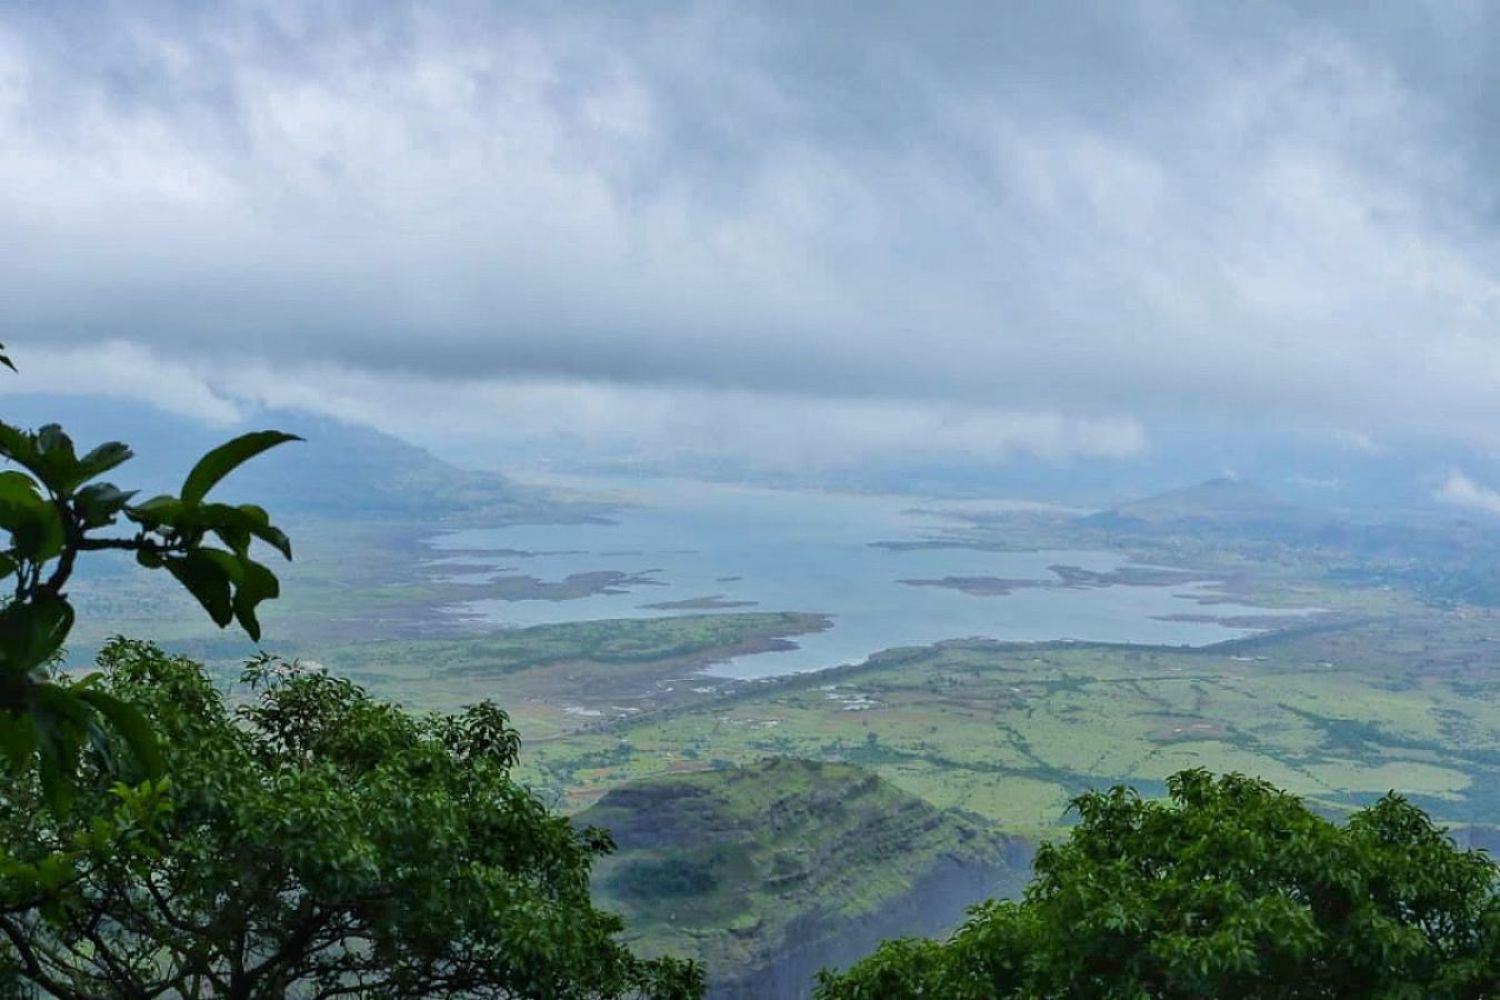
(236, 526)
(129, 723)
(231, 524)
(17, 487)
(100, 503)
(18, 738)
(258, 584)
(50, 440)
(56, 464)
(57, 704)
(102, 459)
(223, 460)
(55, 767)
(231, 565)
(33, 521)
(157, 512)
(207, 579)
(62, 724)
(17, 445)
(31, 632)
(261, 527)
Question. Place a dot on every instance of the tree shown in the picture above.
(320, 844)
(52, 509)
(1229, 889)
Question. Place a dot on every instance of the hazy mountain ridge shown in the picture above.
(1446, 555)
(1221, 500)
(338, 470)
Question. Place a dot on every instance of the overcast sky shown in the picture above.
(792, 232)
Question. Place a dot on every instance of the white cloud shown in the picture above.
(1461, 491)
(120, 370)
(537, 421)
(530, 422)
(1012, 231)
(1355, 441)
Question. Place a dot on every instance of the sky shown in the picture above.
(782, 235)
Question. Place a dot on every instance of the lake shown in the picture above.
(796, 551)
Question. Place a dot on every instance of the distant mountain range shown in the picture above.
(339, 469)
(1221, 502)
(1248, 476)
(1319, 472)
(1446, 554)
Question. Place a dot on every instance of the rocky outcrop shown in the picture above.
(771, 872)
(933, 907)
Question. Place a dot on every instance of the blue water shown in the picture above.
(811, 552)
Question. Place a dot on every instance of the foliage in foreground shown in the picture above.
(317, 843)
(53, 507)
(1230, 889)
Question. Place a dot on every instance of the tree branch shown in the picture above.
(31, 966)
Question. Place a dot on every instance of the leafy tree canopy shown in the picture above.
(1229, 889)
(53, 507)
(318, 843)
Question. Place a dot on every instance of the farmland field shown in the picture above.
(1340, 713)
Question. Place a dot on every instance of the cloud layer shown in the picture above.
(1461, 491)
(980, 229)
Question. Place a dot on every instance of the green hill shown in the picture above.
(769, 872)
(1224, 504)
(340, 471)
(1224, 500)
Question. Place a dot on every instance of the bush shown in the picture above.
(1228, 889)
(321, 843)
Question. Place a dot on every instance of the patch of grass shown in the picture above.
(1012, 731)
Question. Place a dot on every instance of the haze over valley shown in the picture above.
(987, 657)
(841, 439)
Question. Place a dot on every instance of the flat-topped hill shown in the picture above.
(1224, 501)
(769, 872)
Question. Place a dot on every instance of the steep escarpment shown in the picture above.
(770, 872)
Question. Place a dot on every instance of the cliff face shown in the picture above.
(769, 873)
(932, 907)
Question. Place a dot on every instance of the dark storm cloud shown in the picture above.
(1108, 211)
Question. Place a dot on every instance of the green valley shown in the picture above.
(768, 826)
(1339, 713)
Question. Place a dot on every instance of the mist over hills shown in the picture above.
(1221, 499)
(338, 469)
(345, 467)
(762, 469)
(1313, 471)
(770, 870)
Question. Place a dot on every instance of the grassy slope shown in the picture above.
(769, 871)
(1340, 714)
(559, 678)
(359, 506)
(1402, 699)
